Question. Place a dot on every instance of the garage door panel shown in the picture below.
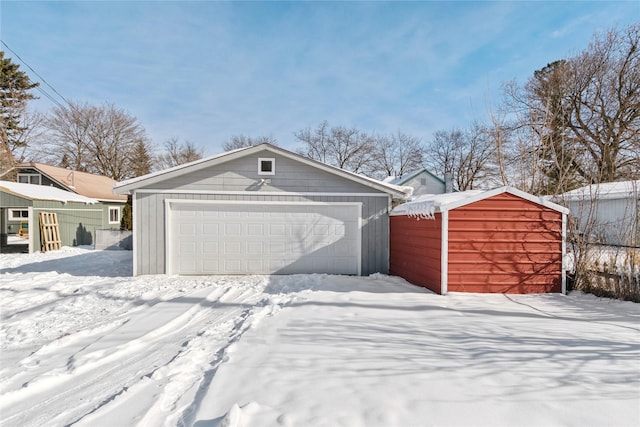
(264, 238)
(232, 229)
(277, 230)
(233, 266)
(255, 266)
(255, 229)
(298, 230)
(321, 229)
(255, 248)
(211, 248)
(232, 248)
(188, 247)
(188, 266)
(211, 266)
(210, 229)
(188, 229)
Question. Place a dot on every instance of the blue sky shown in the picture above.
(204, 71)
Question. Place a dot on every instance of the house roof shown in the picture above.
(401, 180)
(43, 192)
(125, 187)
(86, 184)
(428, 204)
(607, 190)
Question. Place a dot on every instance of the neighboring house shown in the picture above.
(422, 181)
(607, 213)
(78, 216)
(259, 210)
(96, 187)
(500, 241)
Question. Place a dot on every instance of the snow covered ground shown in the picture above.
(84, 344)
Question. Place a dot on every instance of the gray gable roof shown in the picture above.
(405, 178)
(127, 186)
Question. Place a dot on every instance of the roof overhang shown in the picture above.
(448, 201)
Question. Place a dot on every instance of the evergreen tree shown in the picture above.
(141, 160)
(126, 223)
(14, 95)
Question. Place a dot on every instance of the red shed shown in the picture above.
(500, 241)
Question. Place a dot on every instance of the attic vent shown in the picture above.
(266, 166)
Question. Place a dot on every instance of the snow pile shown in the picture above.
(83, 344)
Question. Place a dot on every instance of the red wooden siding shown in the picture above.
(505, 244)
(415, 248)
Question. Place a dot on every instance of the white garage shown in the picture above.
(223, 237)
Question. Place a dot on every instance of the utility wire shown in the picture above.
(49, 97)
(41, 79)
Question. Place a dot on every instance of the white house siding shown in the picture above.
(149, 217)
(431, 186)
(611, 221)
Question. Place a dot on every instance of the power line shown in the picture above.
(49, 97)
(41, 79)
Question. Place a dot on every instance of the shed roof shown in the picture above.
(86, 184)
(125, 187)
(43, 192)
(606, 190)
(428, 204)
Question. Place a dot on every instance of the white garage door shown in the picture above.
(263, 238)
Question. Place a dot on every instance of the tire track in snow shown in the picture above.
(122, 357)
(185, 416)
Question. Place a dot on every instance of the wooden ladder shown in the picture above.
(49, 231)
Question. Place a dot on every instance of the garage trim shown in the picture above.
(169, 203)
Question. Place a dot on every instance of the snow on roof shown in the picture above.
(87, 184)
(425, 206)
(607, 190)
(43, 192)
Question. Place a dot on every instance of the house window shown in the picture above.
(29, 178)
(114, 215)
(18, 214)
(266, 166)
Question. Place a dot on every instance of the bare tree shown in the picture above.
(346, 148)
(476, 164)
(605, 101)
(464, 154)
(177, 153)
(96, 139)
(578, 120)
(242, 141)
(69, 129)
(396, 155)
(23, 144)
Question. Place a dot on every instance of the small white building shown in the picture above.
(606, 213)
(422, 181)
